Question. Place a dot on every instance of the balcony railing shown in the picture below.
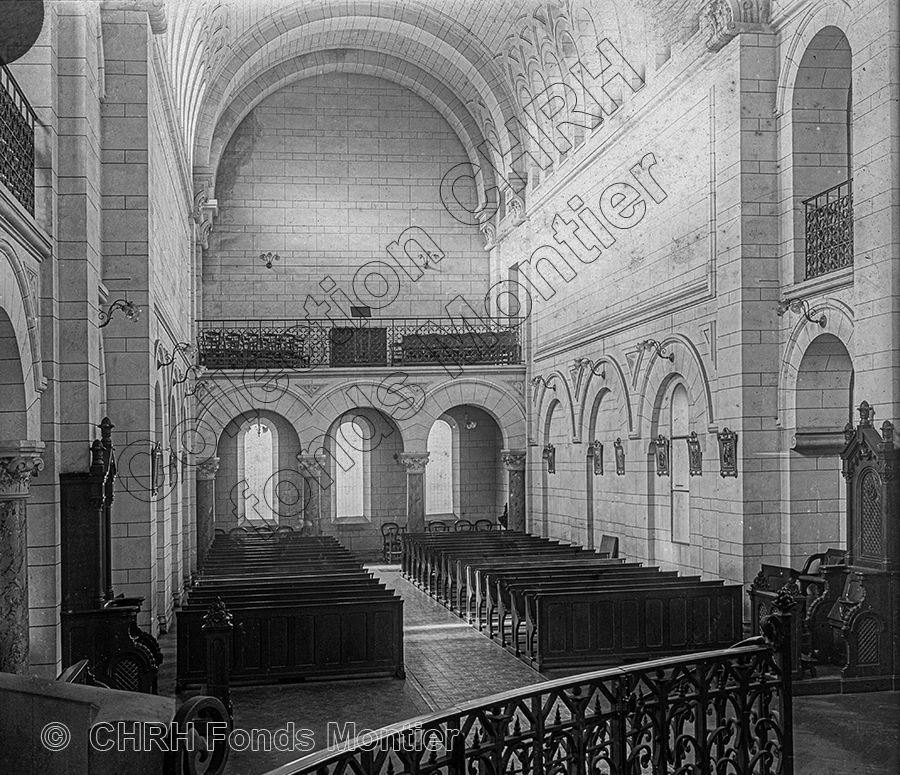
(718, 712)
(303, 344)
(829, 230)
(16, 140)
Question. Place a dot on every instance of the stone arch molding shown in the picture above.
(546, 396)
(28, 284)
(220, 405)
(835, 14)
(495, 398)
(366, 62)
(16, 300)
(839, 321)
(429, 40)
(689, 365)
(587, 397)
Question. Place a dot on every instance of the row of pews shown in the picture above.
(301, 607)
(558, 606)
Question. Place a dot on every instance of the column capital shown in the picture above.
(208, 468)
(513, 459)
(414, 462)
(309, 464)
(20, 462)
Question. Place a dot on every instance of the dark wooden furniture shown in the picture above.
(391, 548)
(866, 614)
(301, 607)
(814, 588)
(556, 605)
(484, 525)
(609, 546)
(463, 526)
(437, 526)
(96, 625)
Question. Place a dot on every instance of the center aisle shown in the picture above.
(447, 660)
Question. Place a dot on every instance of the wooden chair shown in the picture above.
(391, 547)
(609, 546)
(463, 526)
(483, 525)
(437, 527)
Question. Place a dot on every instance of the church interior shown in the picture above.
(449, 386)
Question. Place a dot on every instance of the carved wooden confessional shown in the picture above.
(96, 625)
(867, 611)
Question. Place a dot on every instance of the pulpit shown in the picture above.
(96, 625)
(866, 613)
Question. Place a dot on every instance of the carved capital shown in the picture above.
(414, 462)
(490, 234)
(20, 462)
(727, 18)
(309, 465)
(207, 469)
(513, 459)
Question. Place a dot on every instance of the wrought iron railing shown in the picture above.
(16, 140)
(717, 712)
(302, 344)
(829, 230)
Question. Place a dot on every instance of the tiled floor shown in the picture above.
(448, 662)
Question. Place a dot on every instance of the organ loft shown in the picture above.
(418, 386)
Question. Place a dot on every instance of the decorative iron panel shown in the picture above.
(16, 141)
(302, 344)
(870, 521)
(829, 230)
(716, 712)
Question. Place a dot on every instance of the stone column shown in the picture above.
(19, 462)
(206, 505)
(311, 470)
(514, 463)
(415, 462)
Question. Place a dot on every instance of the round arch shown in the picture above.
(589, 394)
(687, 363)
(366, 62)
(839, 321)
(18, 354)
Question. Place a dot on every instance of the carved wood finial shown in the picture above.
(866, 414)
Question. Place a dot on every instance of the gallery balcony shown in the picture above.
(829, 230)
(367, 342)
(16, 141)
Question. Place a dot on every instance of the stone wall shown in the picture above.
(335, 173)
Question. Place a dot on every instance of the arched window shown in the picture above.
(439, 473)
(258, 472)
(679, 430)
(352, 475)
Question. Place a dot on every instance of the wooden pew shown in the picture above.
(607, 627)
(301, 608)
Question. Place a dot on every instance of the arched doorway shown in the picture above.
(824, 406)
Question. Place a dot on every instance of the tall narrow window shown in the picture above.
(351, 476)
(439, 473)
(259, 473)
(680, 477)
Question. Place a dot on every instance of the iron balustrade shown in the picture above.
(17, 121)
(829, 230)
(712, 713)
(303, 344)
